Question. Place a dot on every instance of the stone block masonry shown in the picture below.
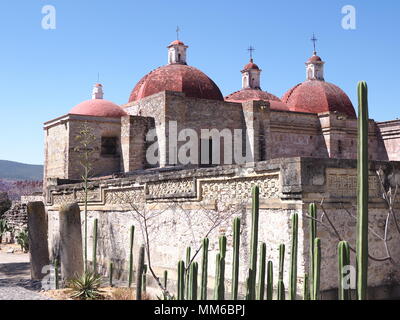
(187, 204)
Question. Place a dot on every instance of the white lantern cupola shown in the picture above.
(177, 52)
(97, 92)
(251, 76)
(315, 65)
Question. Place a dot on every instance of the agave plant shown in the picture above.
(86, 286)
(23, 240)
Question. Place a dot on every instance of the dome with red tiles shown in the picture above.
(256, 94)
(251, 65)
(176, 42)
(176, 77)
(98, 108)
(315, 96)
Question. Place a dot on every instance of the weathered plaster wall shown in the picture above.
(185, 203)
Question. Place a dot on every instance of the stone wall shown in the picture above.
(186, 203)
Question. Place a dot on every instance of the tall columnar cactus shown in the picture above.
(306, 287)
(110, 274)
(293, 259)
(130, 271)
(219, 289)
(261, 275)
(193, 281)
(165, 279)
(343, 261)
(204, 269)
(362, 192)
(281, 285)
(254, 241)
(144, 279)
(249, 285)
(312, 211)
(270, 280)
(188, 258)
(56, 274)
(235, 263)
(181, 280)
(139, 273)
(317, 269)
(95, 223)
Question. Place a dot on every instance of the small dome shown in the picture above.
(176, 77)
(314, 96)
(251, 65)
(315, 58)
(176, 42)
(255, 94)
(98, 108)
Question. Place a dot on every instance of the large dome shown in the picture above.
(256, 94)
(176, 77)
(98, 108)
(315, 96)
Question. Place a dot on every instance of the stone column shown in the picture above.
(38, 245)
(71, 253)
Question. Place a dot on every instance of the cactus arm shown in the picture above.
(130, 270)
(317, 269)
(293, 259)
(261, 275)
(362, 192)
(235, 264)
(270, 280)
(204, 270)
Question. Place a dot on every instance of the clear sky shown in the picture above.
(44, 73)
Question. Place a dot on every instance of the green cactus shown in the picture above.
(344, 260)
(235, 262)
(110, 274)
(222, 246)
(139, 273)
(204, 269)
(56, 274)
(95, 223)
(270, 280)
(165, 279)
(306, 287)
(317, 269)
(254, 240)
(281, 285)
(362, 192)
(188, 258)
(130, 271)
(144, 279)
(181, 280)
(293, 259)
(312, 211)
(249, 285)
(219, 290)
(193, 281)
(261, 275)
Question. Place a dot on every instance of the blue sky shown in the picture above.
(44, 73)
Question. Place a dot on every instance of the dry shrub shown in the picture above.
(123, 294)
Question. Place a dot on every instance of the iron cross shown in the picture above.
(251, 49)
(314, 40)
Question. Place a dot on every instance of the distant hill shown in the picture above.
(11, 170)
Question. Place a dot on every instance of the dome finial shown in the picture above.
(177, 32)
(314, 40)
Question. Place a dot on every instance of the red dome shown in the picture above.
(176, 77)
(98, 108)
(254, 94)
(314, 96)
(177, 42)
(251, 65)
(315, 58)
